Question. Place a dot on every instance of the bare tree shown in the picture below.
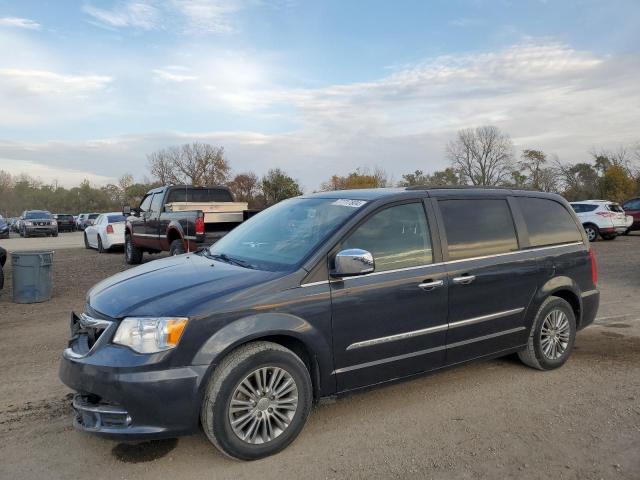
(197, 164)
(483, 156)
(245, 187)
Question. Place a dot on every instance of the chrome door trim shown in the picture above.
(437, 328)
(534, 249)
(484, 318)
(426, 351)
(464, 280)
(398, 336)
(428, 286)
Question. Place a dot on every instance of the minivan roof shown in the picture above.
(377, 193)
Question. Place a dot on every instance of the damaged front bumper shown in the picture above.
(126, 395)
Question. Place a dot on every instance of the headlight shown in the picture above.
(53, 222)
(27, 223)
(150, 335)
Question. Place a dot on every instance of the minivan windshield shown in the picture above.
(282, 236)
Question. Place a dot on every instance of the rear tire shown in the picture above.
(552, 335)
(276, 411)
(592, 232)
(176, 247)
(132, 254)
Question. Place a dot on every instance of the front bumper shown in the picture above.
(40, 230)
(126, 395)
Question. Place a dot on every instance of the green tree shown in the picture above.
(277, 186)
(617, 184)
(361, 178)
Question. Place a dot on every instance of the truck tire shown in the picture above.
(274, 412)
(177, 247)
(132, 254)
(552, 335)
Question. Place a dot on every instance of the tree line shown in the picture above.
(484, 156)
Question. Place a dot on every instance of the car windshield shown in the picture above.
(36, 214)
(93, 216)
(282, 236)
(115, 218)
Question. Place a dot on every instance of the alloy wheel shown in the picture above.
(591, 234)
(555, 334)
(263, 405)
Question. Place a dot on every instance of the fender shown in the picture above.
(263, 325)
(172, 227)
(556, 284)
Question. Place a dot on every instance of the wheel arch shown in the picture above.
(287, 330)
(565, 288)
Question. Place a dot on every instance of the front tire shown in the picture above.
(100, 246)
(132, 254)
(257, 401)
(86, 242)
(552, 335)
(592, 232)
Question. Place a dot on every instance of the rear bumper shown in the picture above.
(132, 403)
(590, 304)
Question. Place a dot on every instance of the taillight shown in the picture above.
(606, 214)
(200, 226)
(594, 267)
(109, 228)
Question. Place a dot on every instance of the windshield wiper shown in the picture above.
(233, 261)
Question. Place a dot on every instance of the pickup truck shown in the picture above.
(180, 219)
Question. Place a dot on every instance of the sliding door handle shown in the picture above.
(464, 280)
(430, 285)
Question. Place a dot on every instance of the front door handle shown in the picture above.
(430, 285)
(464, 280)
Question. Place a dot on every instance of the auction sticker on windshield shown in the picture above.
(343, 202)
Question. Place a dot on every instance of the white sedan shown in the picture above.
(107, 232)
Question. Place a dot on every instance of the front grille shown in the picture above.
(86, 332)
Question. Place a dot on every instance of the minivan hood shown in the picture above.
(171, 286)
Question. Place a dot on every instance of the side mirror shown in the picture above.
(126, 210)
(353, 261)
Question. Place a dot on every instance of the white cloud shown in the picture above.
(18, 22)
(208, 16)
(49, 174)
(545, 94)
(136, 14)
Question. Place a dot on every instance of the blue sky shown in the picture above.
(89, 88)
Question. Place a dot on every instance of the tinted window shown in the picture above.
(146, 202)
(614, 207)
(548, 222)
(583, 207)
(116, 218)
(93, 216)
(398, 237)
(632, 205)
(476, 228)
(156, 203)
(199, 195)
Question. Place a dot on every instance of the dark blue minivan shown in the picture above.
(322, 295)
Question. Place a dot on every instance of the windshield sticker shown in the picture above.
(343, 202)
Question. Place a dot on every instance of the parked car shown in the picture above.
(323, 295)
(601, 218)
(107, 232)
(632, 209)
(4, 228)
(66, 223)
(86, 219)
(3, 260)
(178, 219)
(38, 222)
(16, 225)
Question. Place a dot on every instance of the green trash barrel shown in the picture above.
(32, 276)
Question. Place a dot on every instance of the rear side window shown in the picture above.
(614, 207)
(583, 207)
(397, 237)
(548, 222)
(199, 195)
(476, 228)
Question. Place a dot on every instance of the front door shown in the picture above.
(390, 323)
(490, 281)
(139, 225)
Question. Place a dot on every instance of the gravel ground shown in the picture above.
(495, 419)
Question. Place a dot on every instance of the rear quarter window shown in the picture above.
(548, 222)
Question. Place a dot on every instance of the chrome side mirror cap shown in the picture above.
(353, 261)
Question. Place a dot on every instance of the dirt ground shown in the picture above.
(496, 419)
